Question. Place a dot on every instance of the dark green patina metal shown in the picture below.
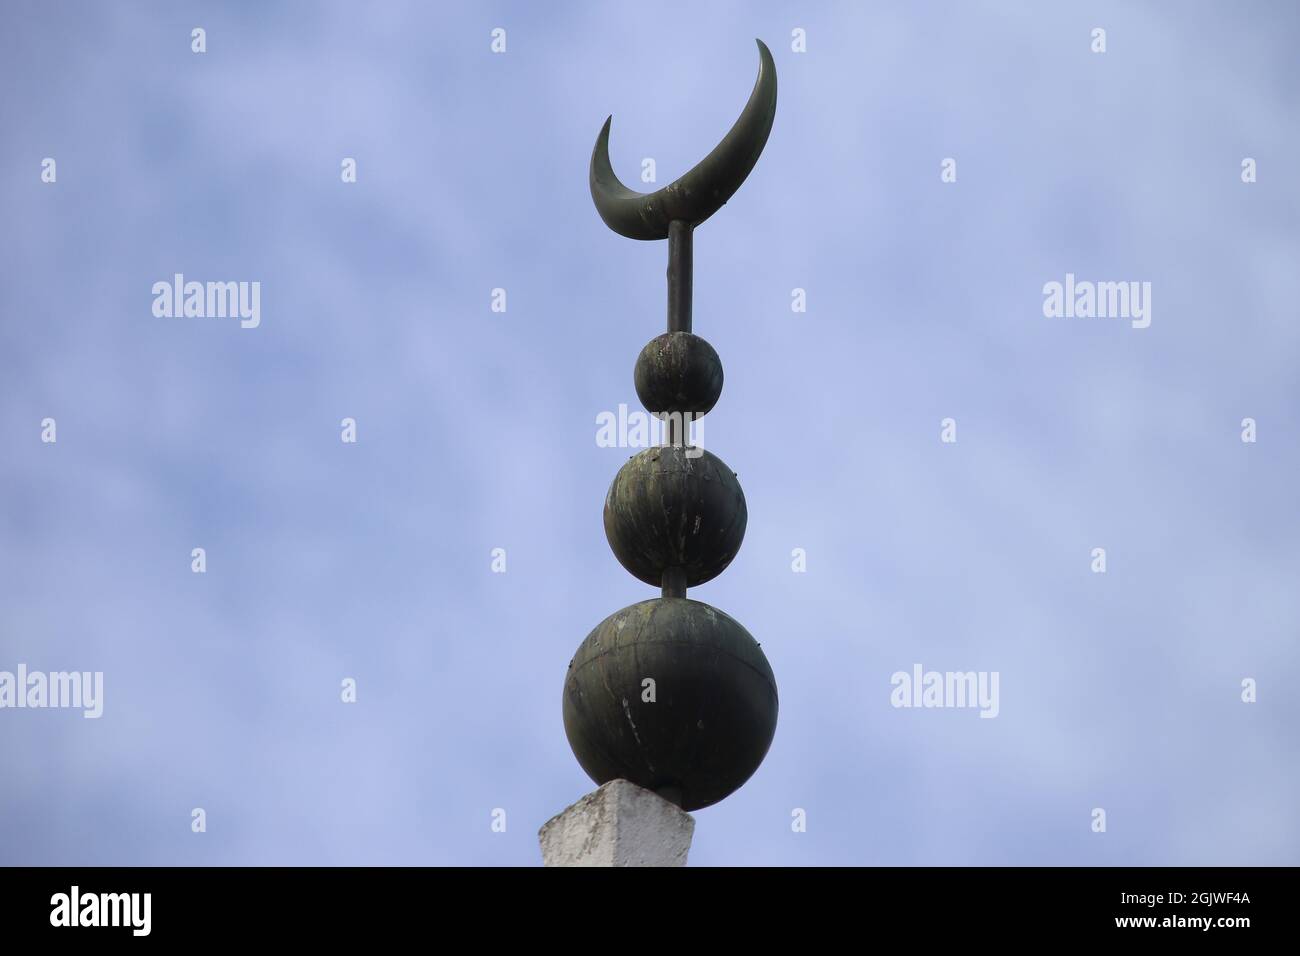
(671, 693)
(666, 509)
(705, 189)
(678, 373)
(714, 711)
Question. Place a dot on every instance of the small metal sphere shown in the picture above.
(674, 507)
(673, 695)
(678, 372)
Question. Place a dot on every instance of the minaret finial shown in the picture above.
(670, 693)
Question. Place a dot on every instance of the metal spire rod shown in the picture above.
(680, 240)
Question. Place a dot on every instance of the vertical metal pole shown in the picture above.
(674, 582)
(679, 320)
(679, 275)
(680, 268)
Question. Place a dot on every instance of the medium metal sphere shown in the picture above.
(678, 372)
(666, 509)
(673, 695)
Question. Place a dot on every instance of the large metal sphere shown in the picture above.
(714, 706)
(678, 372)
(666, 509)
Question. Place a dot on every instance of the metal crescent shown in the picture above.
(705, 189)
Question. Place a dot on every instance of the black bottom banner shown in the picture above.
(335, 905)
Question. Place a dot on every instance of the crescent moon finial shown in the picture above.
(705, 189)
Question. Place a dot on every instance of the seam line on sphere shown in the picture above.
(739, 660)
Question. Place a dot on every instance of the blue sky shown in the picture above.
(476, 429)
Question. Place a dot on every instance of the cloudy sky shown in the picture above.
(476, 429)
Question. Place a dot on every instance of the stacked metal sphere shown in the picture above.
(671, 693)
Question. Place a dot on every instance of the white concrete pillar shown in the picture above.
(620, 824)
